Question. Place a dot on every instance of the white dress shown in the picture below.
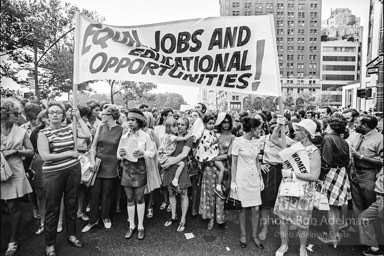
(248, 176)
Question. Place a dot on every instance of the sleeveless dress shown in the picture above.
(17, 185)
(298, 210)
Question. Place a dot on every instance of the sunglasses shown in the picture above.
(15, 113)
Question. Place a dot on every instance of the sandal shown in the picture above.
(258, 245)
(40, 230)
(243, 244)
(170, 222)
(181, 227)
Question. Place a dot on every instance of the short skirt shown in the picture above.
(134, 173)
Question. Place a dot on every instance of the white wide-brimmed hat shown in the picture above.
(220, 118)
(308, 125)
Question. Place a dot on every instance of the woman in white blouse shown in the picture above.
(133, 146)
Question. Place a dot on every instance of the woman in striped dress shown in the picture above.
(61, 173)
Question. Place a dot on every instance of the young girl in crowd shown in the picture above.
(208, 149)
(168, 146)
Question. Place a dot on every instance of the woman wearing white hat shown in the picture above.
(297, 211)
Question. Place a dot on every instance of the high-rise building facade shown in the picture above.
(298, 36)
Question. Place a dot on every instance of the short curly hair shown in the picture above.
(8, 106)
(32, 110)
(338, 123)
(113, 110)
(208, 116)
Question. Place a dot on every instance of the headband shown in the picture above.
(135, 115)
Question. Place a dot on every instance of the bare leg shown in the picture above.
(243, 233)
(172, 201)
(180, 167)
(264, 223)
(184, 205)
(220, 165)
(303, 235)
(284, 226)
(15, 218)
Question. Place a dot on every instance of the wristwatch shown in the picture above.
(361, 156)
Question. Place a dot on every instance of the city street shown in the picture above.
(162, 240)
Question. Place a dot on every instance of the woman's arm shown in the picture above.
(83, 131)
(93, 149)
(275, 138)
(234, 167)
(43, 147)
(314, 167)
(174, 160)
(28, 147)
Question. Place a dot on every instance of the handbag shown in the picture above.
(6, 171)
(291, 187)
(88, 176)
(232, 204)
(226, 183)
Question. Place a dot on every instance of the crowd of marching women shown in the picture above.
(214, 161)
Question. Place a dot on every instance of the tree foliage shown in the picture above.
(41, 22)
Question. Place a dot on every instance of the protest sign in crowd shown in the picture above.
(72, 158)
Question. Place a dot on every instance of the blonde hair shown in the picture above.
(9, 105)
(170, 122)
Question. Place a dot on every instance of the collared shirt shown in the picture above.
(370, 146)
(132, 141)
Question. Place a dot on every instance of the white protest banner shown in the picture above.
(296, 158)
(225, 53)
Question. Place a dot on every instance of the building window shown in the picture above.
(313, 14)
(247, 13)
(302, 15)
(301, 6)
(339, 67)
(300, 31)
(312, 57)
(300, 48)
(313, 23)
(313, 6)
(339, 77)
(235, 13)
(291, 6)
(281, 57)
(300, 57)
(300, 40)
(313, 48)
(280, 31)
(269, 6)
(280, 5)
(235, 5)
(339, 58)
(247, 5)
(300, 65)
(290, 48)
(290, 57)
(290, 31)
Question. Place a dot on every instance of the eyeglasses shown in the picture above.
(15, 113)
(104, 114)
(58, 112)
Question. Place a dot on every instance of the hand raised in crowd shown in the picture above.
(76, 112)
(138, 153)
(281, 120)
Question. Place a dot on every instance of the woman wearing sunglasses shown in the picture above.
(15, 144)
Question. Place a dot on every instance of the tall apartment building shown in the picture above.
(339, 67)
(298, 34)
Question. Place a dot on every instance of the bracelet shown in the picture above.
(361, 156)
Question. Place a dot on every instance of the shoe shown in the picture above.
(150, 213)
(181, 227)
(75, 242)
(223, 225)
(83, 217)
(243, 244)
(369, 252)
(278, 253)
(169, 208)
(211, 223)
(40, 230)
(129, 233)
(59, 228)
(175, 188)
(140, 234)
(258, 245)
(163, 206)
(107, 223)
(219, 193)
(328, 240)
(89, 226)
(12, 248)
(50, 252)
(194, 213)
(88, 209)
(36, 214)
(170, 222)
